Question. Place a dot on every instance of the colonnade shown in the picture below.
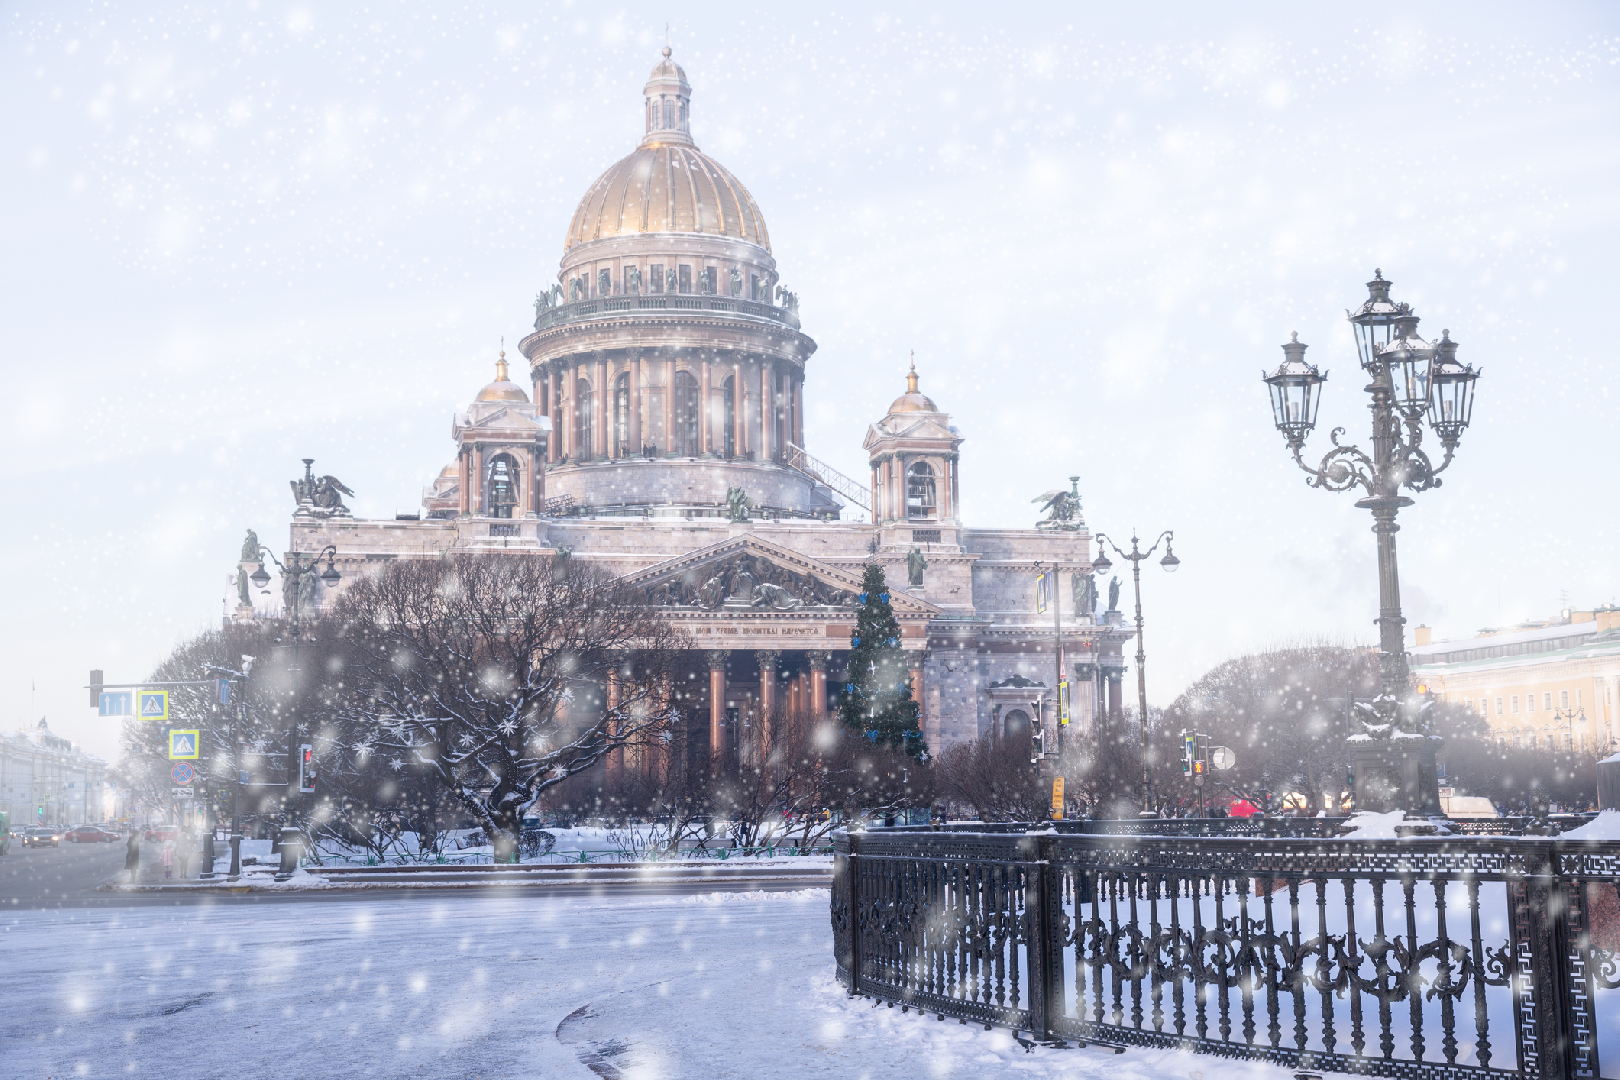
(579, 394)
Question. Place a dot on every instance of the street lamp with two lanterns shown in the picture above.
(1101, 565)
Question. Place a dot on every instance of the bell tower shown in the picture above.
(913, 452)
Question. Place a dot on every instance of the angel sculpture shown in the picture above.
(320, 496)
(1062, 510)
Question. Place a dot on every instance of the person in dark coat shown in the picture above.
(132, 854)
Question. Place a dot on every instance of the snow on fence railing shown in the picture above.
(1423, 958)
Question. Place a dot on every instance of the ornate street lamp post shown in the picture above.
(1413, 382)
(1102, 565)
(297, 570)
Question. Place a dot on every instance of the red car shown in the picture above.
(89, 834)
(160, 833)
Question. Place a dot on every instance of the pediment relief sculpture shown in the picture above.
(745, 580)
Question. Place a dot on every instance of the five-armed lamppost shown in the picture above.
(1102, 565)
(1412, 381)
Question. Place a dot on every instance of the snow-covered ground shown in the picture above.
(712, 985)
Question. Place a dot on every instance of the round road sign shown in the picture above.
(182, 772)
(1222, 757)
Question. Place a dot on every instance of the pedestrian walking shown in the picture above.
(132, 855)
(167, 859)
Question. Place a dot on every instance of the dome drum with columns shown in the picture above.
(668, 372)
(657, 389)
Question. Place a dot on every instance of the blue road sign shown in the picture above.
(117, 703)
(184, 744)
(152, 705)
(182, 772)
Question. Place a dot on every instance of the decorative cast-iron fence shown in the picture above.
(1449, 958)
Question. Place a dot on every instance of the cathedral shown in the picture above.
(660, 431)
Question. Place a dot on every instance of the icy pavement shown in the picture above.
(474, 986)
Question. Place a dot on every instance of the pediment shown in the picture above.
(507, 419)
(920, 428)
(746, 573)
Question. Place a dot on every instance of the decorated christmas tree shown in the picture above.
(877, 700)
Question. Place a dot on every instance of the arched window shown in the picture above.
(1016, 725)
(669, 113)
(685, 443)
(501, 486)
(583, 435)
(729, 388)
(920, 503)
(621, 414)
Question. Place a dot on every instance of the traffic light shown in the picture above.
(306, 769)
(95, 688)
(1037, 742)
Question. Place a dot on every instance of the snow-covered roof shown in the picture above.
(1537, 641)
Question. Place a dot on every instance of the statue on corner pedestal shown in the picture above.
(1113, 594)
(1085, 595)
(915, 565)
(737, 504)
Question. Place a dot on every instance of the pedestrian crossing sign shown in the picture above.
(183, 745)
(152, 705)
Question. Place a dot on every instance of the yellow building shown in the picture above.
(1546, 685)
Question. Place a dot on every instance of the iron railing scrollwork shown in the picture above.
(1407, 958)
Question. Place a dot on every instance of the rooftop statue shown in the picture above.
(1062, 508)
(737, 504)
(915, 565)
(1085, 594)
(545, 301)
(250, 547)
(1113, 594)
(320, 496)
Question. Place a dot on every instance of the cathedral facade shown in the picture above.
(660, 432)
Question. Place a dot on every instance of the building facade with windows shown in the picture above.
(661, 433)
(1549, 685)
(47, 781)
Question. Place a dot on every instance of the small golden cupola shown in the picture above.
(913, 400)
(503, 388)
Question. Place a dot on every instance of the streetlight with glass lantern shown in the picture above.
(297, 569)
(1101, 565)
(1413, 381)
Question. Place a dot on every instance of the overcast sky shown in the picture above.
(236, 235)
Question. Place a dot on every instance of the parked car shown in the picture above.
(89, 834)
(159, 833)
(41, 838)
(5, 832)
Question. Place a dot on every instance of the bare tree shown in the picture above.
(1286, 713)
(994, 777)
(249, 734)
(470, 664)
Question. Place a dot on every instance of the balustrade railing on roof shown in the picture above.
(631, 305)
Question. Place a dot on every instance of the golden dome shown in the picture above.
(503, 388)
(667, 184)
(913, 400)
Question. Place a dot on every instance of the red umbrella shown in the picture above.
(1242, 808)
